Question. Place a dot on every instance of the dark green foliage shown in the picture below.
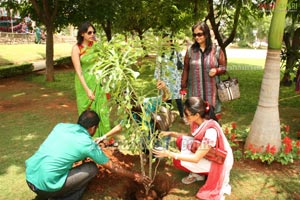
(10, 71)
(63, 60)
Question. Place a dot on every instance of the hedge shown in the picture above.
(13, 70)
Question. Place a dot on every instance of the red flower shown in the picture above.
(287, 128)
(233, 125)
(226, 131)
(268, 148)
(111, 141)
(287, 140)
(298, 144)
(251, 148)
(260, 149)
(288, 148)
(273, 150)
(107, 96)
(232, 137)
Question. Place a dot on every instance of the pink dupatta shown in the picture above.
(212, 188)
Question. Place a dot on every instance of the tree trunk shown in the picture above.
(47, 15)
(107, 29)
(195, 11)
(49, 54)
(265, 127)
(215, 25)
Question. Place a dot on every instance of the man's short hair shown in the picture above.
(88, 119)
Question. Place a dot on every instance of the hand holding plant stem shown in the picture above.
(110, 133)
(168, 133)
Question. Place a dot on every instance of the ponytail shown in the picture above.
(210, 112)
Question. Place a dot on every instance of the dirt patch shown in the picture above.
(126, 188)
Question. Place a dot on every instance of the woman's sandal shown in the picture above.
(191, 178)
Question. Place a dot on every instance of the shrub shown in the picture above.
(13, 70)
(63, 60)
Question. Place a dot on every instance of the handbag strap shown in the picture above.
(217, 141)
(228, 76)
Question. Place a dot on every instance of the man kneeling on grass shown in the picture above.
(50, 172)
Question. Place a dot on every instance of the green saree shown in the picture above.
(99, 105)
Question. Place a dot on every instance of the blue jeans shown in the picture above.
(75, 185)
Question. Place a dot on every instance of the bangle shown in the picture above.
(176, 156)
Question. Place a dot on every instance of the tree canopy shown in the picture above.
(228, 19)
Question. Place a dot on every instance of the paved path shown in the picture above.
(39, 65)
(242, 53)
(246, 53)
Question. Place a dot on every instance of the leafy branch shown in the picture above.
(113, 63)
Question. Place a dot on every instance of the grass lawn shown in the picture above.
(26, 53)
(30, 107)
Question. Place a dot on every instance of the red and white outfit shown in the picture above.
(217, 183)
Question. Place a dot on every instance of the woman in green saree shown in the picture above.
(89, 93)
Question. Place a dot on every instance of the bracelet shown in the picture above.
(176, 156)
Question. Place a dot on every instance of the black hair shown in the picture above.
(198, 105)
(88, 119)
(203, 27)
(83, 28)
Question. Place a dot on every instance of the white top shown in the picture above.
(203, 165)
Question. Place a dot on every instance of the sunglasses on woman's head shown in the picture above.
(91, 32)
(198, 34)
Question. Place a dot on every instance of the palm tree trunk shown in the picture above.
(265, 127)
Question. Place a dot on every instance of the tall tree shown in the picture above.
(265, 127)
(47, 11)
(54, 14)
(175, 16)
(104, 15)
(137, 16)
(225, 15)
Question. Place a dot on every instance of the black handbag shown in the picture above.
(228, 89)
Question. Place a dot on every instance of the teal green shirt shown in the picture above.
(48, 168)
(151, 103)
